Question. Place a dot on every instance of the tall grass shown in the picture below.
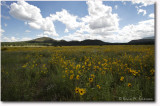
(78, 73)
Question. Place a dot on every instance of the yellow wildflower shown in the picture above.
(82, 91)
(66, 71)
(129, 84)
(92, 75)
(97, 67)
(79, 72)
(76, 89)
(24, 66)
(90, 79)
(83, 66)
(78, 66)
(77, 77)
(89, 64)
(71, 77)
(152, 71)
(122, 78)
(98, 86)
(71, 71)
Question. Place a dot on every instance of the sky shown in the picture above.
(109, 21)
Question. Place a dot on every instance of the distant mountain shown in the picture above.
(67, 43)
(93, 42)
(145, 41)
(46, 41)
(153, 37)
(42, 40)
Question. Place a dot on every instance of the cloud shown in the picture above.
(101, 15)
(80, 37)
(27, 31)
(100, 20)
(139, 10)
(129, 32)
(14, 39)
(151, 15)
(32, 16)
(143, 2)
(24, 11)
(66, 18)
(66, 30)
(136, 31)
(2, 31)
(100, 23)
(75, 36)
(42, 35)
(5, 17)
(25, 39)
(9, 39)
(142, 11)
(116, 7)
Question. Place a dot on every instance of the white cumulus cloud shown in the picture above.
(66, 30)
(25, 39)
(100, 20)
(42, 35)
(9, 39)
(101, 16)
(66, 18)
(143, 2)
(24, 11)
(151, 15)
(100, 23)
(142, 11)
(136, 31)
(14, 39)
(32, 15)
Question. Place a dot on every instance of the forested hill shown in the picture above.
(46, 41)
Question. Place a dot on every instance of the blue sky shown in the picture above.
(110, 21)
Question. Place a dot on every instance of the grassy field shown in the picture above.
(78, 73)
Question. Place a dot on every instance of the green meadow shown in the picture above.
(78, 73)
